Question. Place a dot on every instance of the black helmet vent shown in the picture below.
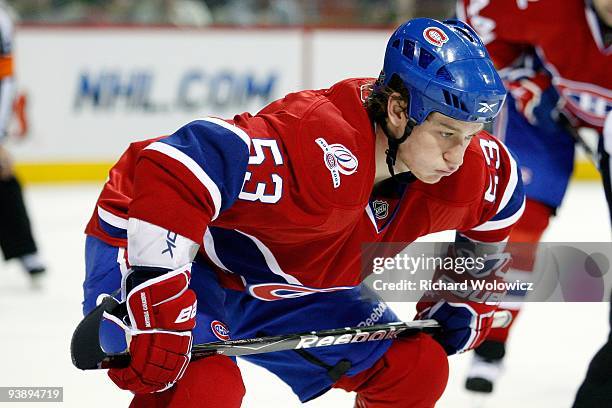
(465, 33)
(444, 74)
(453, 100)
(425, 58)
(408, 50)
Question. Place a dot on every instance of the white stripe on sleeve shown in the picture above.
(511, 182)
(112, 219)
(506, 197)
(234, 129)
(192, 166)
(501, 224)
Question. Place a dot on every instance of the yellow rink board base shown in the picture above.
(76, 172)
(34, 173)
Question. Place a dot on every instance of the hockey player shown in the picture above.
(262, 219)
(555, 57)
(16, 240)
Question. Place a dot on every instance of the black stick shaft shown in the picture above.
(322, 338)
(591, 154)
(83, 352)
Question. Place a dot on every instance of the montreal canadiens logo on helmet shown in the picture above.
(220, 330)
(435, 36)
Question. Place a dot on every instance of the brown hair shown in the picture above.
(376, 102)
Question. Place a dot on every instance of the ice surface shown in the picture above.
(547, 358)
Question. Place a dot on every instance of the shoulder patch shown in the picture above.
(338, 160)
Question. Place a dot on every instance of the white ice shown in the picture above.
(548, 354)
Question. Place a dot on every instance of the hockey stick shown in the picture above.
(88, 355)
(592, 155)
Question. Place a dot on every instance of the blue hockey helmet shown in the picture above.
(446, 68)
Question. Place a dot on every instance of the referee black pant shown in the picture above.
(15, 232)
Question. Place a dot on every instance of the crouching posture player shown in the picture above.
(261, 219)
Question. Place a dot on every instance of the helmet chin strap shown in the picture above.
(394, 143)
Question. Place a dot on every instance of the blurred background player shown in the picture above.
(556, 60)
(16, 240)
(262, 219)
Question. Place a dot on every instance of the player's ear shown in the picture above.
(396, 109)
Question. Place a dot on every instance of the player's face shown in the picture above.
(604, 10)
(435, 148)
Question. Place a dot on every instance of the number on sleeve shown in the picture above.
(258, 158)
(491, 154)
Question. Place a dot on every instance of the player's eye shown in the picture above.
(446, 135)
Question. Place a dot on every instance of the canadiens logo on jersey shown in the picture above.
(279, 291)
(365, 91)
(220, 330)
(338, 160)
(588, 102)
(435, 36)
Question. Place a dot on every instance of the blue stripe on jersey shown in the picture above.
(517, 292)
(516, 200)
(247, 261)
(111, 230)
(218, 151)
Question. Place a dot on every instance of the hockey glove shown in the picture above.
(162, 314)
(466, 315)
(527, 94)
(537, 100)
(465, 325)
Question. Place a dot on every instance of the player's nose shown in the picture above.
(453, 157)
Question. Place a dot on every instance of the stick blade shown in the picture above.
(85, 349)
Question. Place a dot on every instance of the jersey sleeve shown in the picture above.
(502, 25)
(110, 217)
(184, 181)
(504, 194)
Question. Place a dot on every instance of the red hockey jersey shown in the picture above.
(284, 199)
(567, 37)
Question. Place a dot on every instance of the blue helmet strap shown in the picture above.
(394, 143)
